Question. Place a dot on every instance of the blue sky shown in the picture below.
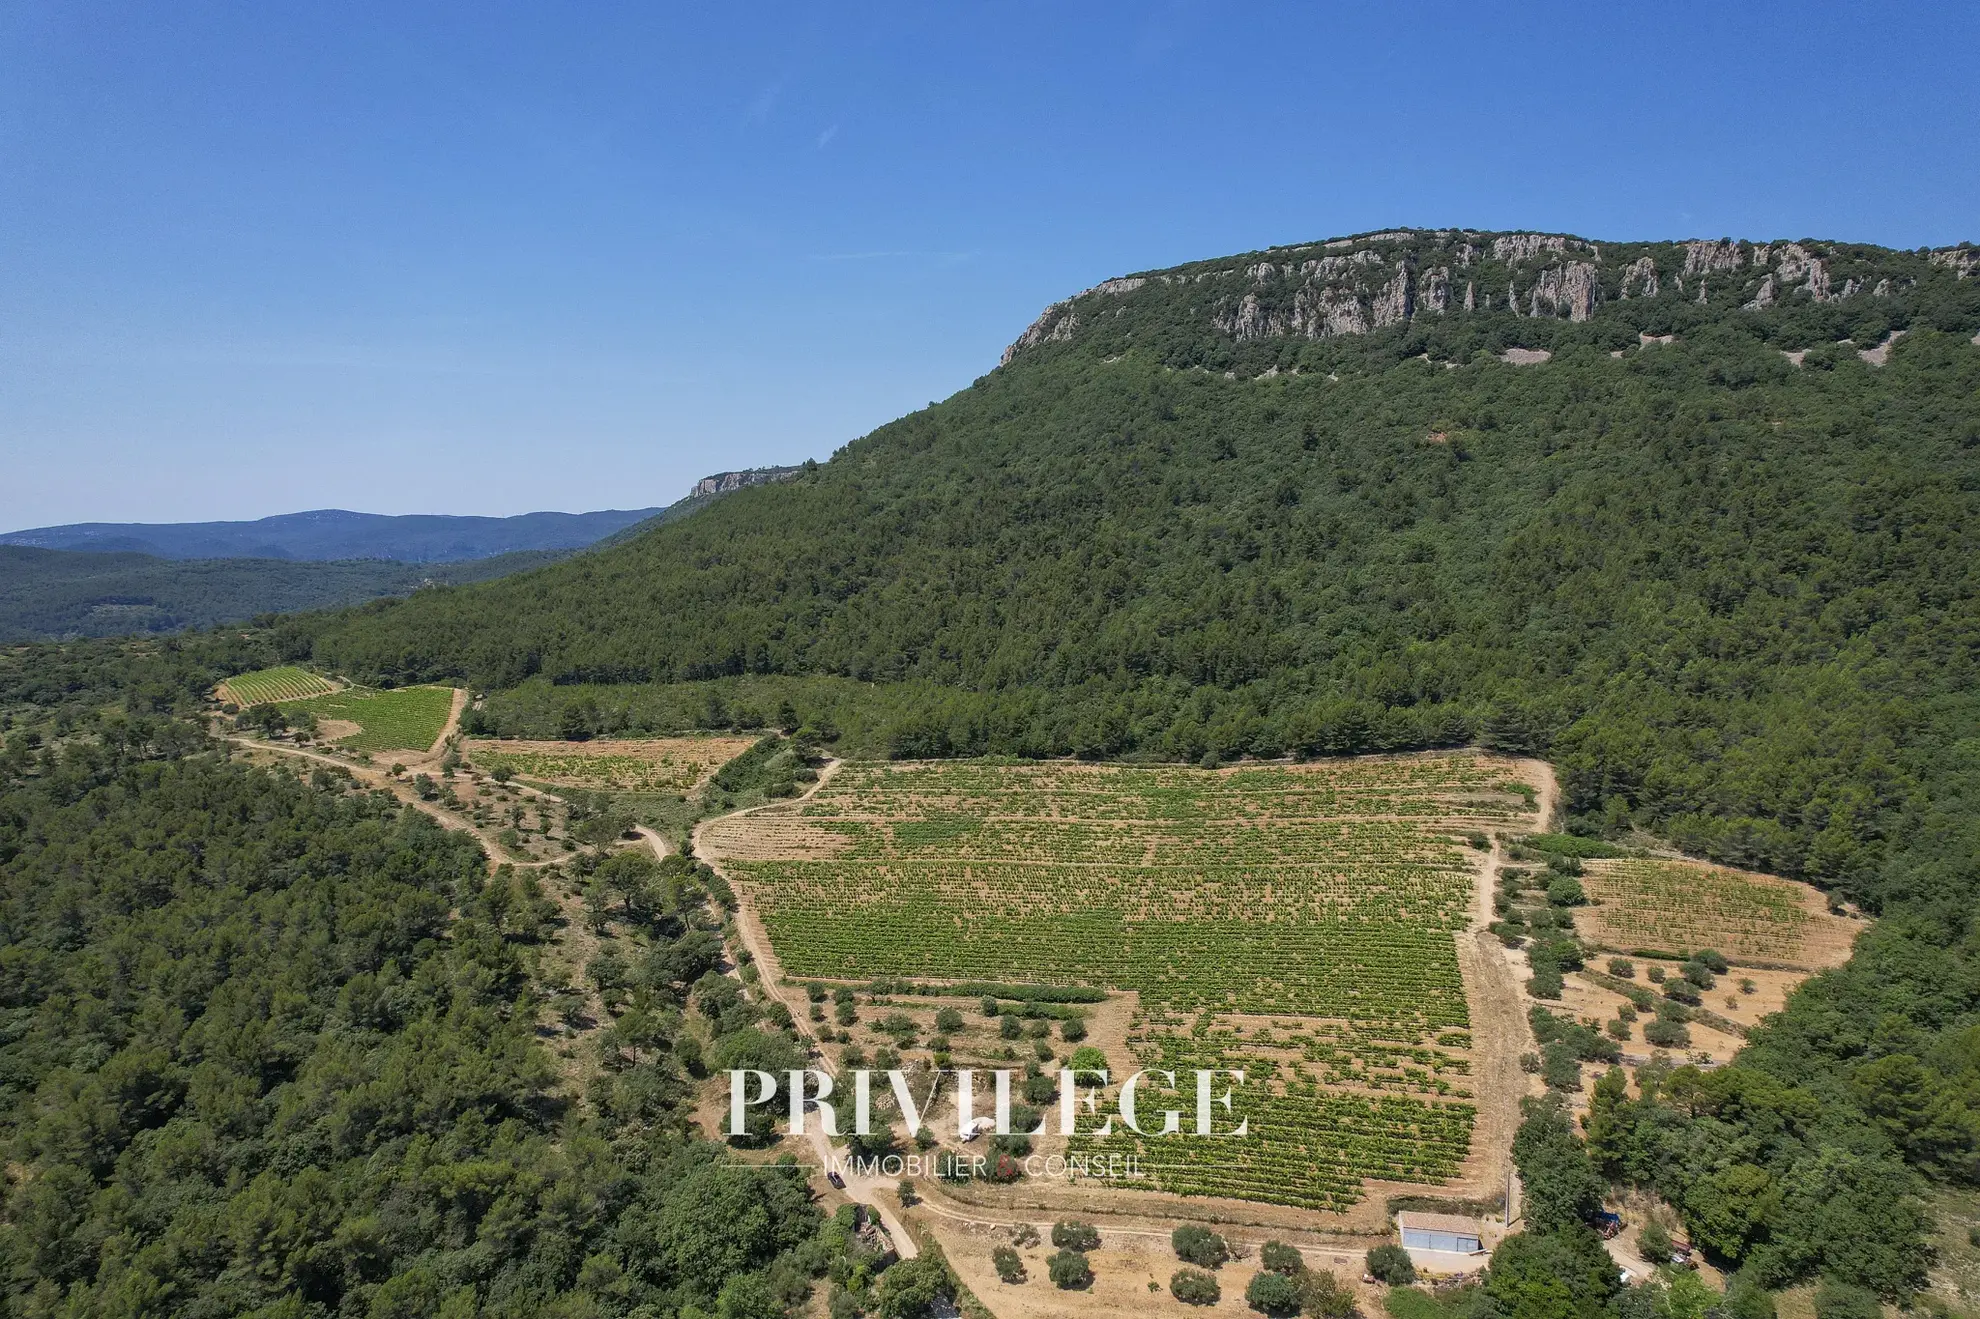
(498, 257)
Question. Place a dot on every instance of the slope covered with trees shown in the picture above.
(271, 1049)
(1690, 520)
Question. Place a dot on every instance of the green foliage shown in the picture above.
(1272, 1293)
(1071, 1234)
(1552, 1275)
(307, 1081)
(1840, 1300)
(1199, 1246)
(1390, 1264)
(1280, 1258)
(406, 719)
(1195, 1287)
(70, 593)
(1069, 1270)
(1008, 1263)
(912, 1288)
(1562, 1188)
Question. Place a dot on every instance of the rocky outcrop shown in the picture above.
(727, 483)
(1057, 322)
(1571, 290)
(1349, 286)
(1433, 291)
(1395, 302)
(1961, 260)
(1641, 276)
(1704, 255)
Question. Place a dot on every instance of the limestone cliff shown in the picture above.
(1371, 282)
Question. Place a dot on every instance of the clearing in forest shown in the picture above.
(1680, 907)
(1299, 921)
(401, 719)
(665, 764)
(284, 683)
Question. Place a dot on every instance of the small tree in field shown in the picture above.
(1273, 1294)
(1069, 1270)
(1199, 1246)
(1281, 1258)
(1071, 1234)
(1009, 1265)
(1194, 1287)
(1391, 1264)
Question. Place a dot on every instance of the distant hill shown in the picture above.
(61, 592)
(333, 533)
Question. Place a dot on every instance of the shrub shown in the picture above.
(948, 1021)
(1194, 1287)
(1559, 1068)
(1281, 1258)
(1025, 1235)
(1086, 1058)
(1069, 1270)
(1010, 1028)
(1840, 1300)
(1656, 974)
(1199, 1246)
(1323, 1295)
(1622, 968)
(1665, 1034)
(1566, 892)
(1272, 1293)
(1391, 1264)
(1009, 1264)
(1654, 1243)
(1713, 962)
(1698, 974)
(1072, 1030)
(1071, 1234)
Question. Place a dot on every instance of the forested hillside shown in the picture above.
(271, 1048)
(1693, 521)
(1720, 587)
(73, 593)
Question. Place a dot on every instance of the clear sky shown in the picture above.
(497, 257)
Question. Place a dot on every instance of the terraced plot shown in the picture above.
(402, 719)
(668, 764)
(1297, 920)
(283, 683)
(1685, 906)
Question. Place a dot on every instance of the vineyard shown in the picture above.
(672, 764)
(1298, 921)
(403, 719)
(1684, 906)
(286, 683)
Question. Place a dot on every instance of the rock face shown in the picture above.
(1375, 282)
(727, 483)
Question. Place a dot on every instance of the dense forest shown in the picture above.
(271, 1048)
(56, 594)
(1710, 559)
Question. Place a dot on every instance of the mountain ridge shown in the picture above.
(322, 535)
(1364, 283)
